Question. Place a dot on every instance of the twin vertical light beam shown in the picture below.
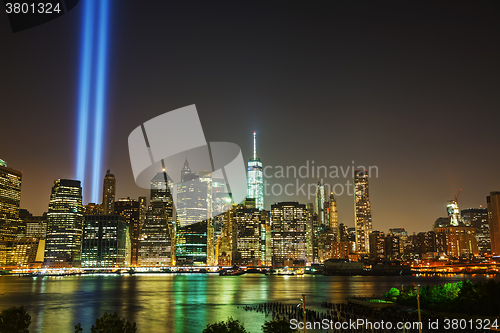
(92, 91)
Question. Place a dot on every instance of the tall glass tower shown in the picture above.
(63, 244)
(255, 178)
(108, 194)
(362, 213)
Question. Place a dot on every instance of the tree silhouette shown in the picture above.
(109, 323)
(14, 320)
(277, 326)
(231, 326)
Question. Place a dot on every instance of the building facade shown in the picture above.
(493, 202)
(108, 193)
(478, 218)
(288, 233)
(456, 241)
(255, 178)
(130, 210)
(105, 241)
(363, 213)
(64, 225)
(10, 198)
(192, 198)
(156, 247)
(250, 224)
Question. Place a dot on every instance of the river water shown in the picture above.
(184, 302)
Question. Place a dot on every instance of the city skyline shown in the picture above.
(371, 85)
(109, 187)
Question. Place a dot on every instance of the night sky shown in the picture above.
(409, 87)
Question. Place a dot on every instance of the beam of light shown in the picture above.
(100, 90)
(84, 92)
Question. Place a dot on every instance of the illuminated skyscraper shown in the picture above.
(255, 178)
(192, 197)
(129, 209)
(478, 218)
(105, 241)
(362, 212)
(493, 201)
(334, 217)
(108, 194)
(155, 245)
(64, 225)
(143, 208)
(10, 197)
(453, 212)
(249, 222)
(288, 233)
(320, 203)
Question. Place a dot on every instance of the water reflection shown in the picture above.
(182, 303)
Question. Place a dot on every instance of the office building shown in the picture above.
(363, 214)
(493, 202)
(92, 209)
(192, 195)
(191, 244)
(36, 226)
(10, 197)
(155, 243)
(288, 233)
(320, 203)
(456, 241)
(130, 210)
(249, 223)
(108, 193)
(105, 241)
(64, 225)
(333, 217)
(478, 218)
(377, 245)
(27, 251)
(255, 178)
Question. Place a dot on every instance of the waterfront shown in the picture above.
(183, 302)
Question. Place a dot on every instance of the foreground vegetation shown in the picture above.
(234, 326)
(482, 298)
(18, 320)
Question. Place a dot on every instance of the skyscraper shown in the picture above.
(377, 244)
(143, 208)
(362, 212)
(129, 209)
(248, 222)
(155, 246)
(192, 198)
(10, 197)
(320, 202)
(456, 241)
(493, 201)
(288, 233)
(478, 218)
(64, 225)
(453, 212)
(105, 241)
(255, 178)
(334, 217)
(108, 194)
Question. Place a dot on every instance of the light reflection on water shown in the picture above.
(185, 302)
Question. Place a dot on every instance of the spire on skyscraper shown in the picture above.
(254, 146)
